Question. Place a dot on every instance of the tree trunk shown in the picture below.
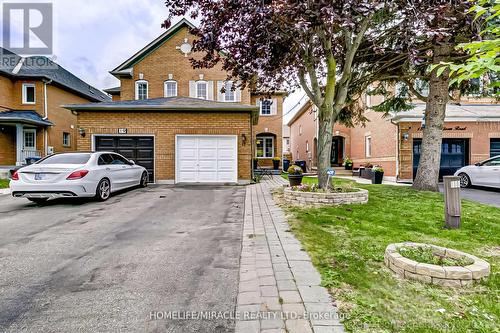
(427, 178)
(326, 121)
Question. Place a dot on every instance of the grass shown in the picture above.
(426, 255)
(347, 244)
(4, 183)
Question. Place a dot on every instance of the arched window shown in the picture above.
(141, 89)
(170, 88)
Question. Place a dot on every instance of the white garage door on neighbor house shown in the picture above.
(206, 159)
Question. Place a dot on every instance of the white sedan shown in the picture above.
(77, 175)
(486, 173)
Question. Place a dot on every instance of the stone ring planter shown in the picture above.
(299, 198)
(447, 276)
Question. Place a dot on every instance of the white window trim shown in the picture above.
(368, 147)
(69, 140)
(206, 89)
(270, 108)
(230, 83)
(25, 95)
(165, 88)
(29, 130)
(264, 150)
(137, 88)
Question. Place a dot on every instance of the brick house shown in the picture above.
(32, 121)
(471, 134)
(179, 122)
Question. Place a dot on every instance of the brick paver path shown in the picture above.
(279, 289)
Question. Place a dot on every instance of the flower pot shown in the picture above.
(255, 164)
(377, 177)
(348, 166)
(295, 180)
(276, 164)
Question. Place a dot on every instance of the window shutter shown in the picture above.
(220, 96)
(192, 89)
(237, 94)
(210, 90)
(274, 106)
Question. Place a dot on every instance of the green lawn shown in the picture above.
(347, 246)
(4, 183)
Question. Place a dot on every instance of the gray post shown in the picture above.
(452, 204)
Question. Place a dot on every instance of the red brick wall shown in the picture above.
(165, 125)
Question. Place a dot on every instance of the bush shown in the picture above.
(294, 170)
(276, 159)
(377, 169)
(347, 161)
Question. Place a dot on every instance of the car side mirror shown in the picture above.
(478, 164)
(131, 162)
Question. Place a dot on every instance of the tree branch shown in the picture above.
(413, 90)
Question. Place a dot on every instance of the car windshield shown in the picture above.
(66, 159)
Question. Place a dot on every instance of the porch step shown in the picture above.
(341, 171)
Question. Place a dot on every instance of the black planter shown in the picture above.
(348, 166)
(377, 177)
(255, 164)
(366, 173)
(295, 180)
(276, 164)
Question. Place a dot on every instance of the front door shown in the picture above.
(337, 151)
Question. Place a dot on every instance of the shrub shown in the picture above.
(377, 169)
(347, 161)
(294, 170)
(276, 159)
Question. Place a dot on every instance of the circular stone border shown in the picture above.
(447, 276)
(300, 198)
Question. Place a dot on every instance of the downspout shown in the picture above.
(397, 148)
(45, 117)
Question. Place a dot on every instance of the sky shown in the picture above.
(92, 37)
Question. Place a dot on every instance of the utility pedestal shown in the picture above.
(452, 203)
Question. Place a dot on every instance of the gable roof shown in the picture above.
(39, 67)
(126, 67)
(307, 105)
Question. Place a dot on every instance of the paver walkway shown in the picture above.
(279, 289)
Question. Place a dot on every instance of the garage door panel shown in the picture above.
(213, 158)
(138, 149)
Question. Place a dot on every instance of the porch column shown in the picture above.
(19, 144)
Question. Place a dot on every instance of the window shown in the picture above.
(29, 139)
(141, 90)
(170, 88)
(201, 89)
(265, 107)
(300, 129)
(66, 139)
(265, 147)
(28, 93)
(368, 146)
(493, 162)
(307, 146)
(71, 158)
(229, 95)
(105, 159)
(117, 159)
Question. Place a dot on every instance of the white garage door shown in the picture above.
(206, 159)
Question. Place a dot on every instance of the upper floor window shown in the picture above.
(202, 89)
(66, 139)
(141, 89)
(28, 93)
(170, 88)
(368, 146)
(265, 106)
(229, 93)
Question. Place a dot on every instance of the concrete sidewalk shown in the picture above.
(277, 278)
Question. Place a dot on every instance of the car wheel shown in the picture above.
(144, 179)
(103, 191)
(39, 201)
(464, 180)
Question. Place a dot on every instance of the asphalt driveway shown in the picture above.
(485, 195)
(89, 266)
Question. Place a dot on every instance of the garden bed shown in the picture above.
(452, 269)
(298, 197)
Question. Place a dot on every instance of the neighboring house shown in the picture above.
(32, 121)
(286, 139)
(471, 134)
(178, 121)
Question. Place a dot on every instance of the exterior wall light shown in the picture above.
(406, 136)
(243, 139)
(81, 131)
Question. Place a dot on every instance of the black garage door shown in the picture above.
(494, 147)
(454, 155)
(137, 148)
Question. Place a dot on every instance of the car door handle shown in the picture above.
(107, 169)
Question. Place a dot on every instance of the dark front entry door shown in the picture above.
(454, 155)
(337, 151)
(139, 149)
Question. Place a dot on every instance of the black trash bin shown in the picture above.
(286, 164)
(302, 165)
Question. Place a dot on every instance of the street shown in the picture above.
(485, 195)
